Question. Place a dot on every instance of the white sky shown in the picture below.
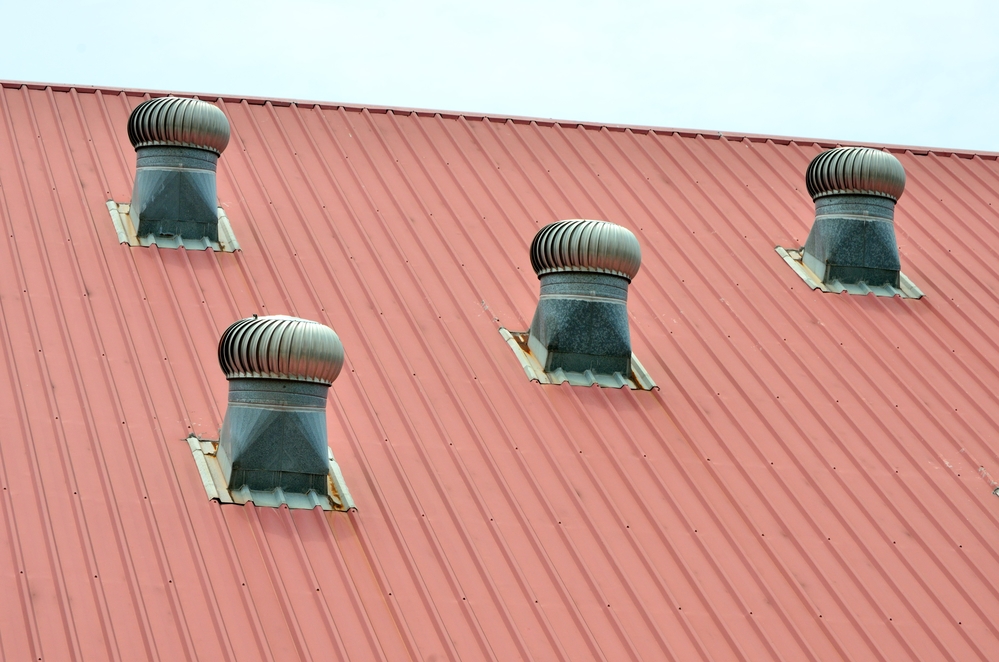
(917, 72)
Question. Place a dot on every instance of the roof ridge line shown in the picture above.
(917, 150)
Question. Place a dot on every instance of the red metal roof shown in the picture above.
(811, 482)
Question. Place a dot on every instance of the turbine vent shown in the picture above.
(852, 240)
(274, 433)
(177, 145)
(581, 322)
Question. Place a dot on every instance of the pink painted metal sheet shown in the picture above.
(811, 481)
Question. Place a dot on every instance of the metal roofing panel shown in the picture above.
(811, 481)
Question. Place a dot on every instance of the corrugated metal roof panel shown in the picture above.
(811, 481)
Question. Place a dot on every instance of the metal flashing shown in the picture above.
(906, 289)
(638, 380)
(206, 458)
(125, 228)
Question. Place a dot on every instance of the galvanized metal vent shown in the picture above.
(580, 331)
(851, 246)
(177, 145)
(272, 448)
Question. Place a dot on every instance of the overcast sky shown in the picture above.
(915, 73)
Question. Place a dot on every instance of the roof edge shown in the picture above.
(544, 121)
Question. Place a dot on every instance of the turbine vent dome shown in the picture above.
(280, 347)
(586, 246)
(855, 170)
(179, 122)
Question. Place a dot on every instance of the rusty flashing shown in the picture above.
(210, 471)
(125, 228)
(638, 380)
(906, 289)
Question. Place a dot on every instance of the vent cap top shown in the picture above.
(280, 347)
(846, 170)
(585, 245)
(180, 122)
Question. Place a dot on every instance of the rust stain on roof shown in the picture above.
(806, 484)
